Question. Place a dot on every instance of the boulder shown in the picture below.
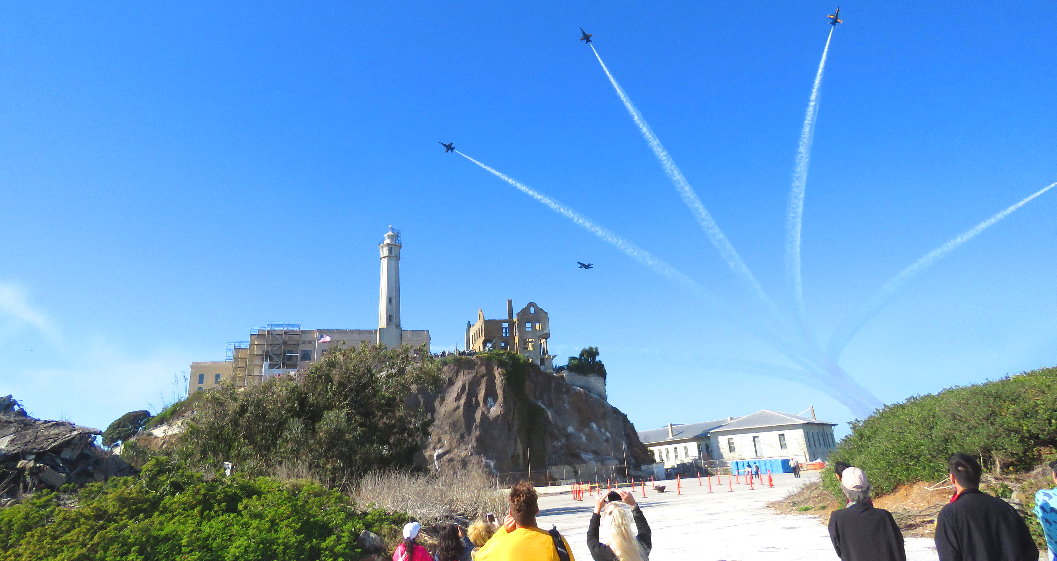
(501, 418)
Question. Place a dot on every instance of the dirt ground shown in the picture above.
(913, 506)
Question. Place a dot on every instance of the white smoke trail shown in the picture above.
(809, 353)
(660, 267)
(795, 215)
(690, 198)
(631, 250)
(854, 322)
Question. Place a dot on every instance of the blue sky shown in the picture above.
(177, 176)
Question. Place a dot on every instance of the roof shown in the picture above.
(768, 418)
(679, 432)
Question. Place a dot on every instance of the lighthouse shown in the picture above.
(389, 291)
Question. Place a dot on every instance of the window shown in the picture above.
(390, 317)
(390, 299)
(528, 326)
(532, 309)
(676, 453)
(686, 451)
(201, 378)
(781, 441)
(756, 446)
(530, 344)
(306, 355)
(216, 378)
(506, 329)
(730, 445)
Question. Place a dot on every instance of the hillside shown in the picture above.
(370, 408)
(1009, 424)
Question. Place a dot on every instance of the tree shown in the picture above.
(347, 414)
(587, 363)
(125, 427)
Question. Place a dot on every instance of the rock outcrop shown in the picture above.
(35, 453)
(504, 414)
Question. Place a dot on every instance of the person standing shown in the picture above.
(612, 519)
(452, 545)
(861, 532)
(1046, 511)
(795, 465)
(976, 526)
(408, 550)
(520, 539)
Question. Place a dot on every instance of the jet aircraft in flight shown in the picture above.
(449, 147)
(585, 265)
(585, 36)
(835, 16)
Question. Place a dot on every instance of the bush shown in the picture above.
(432, 498)
(125, 427)
(348, 414)
(169, 512)
(1004, 423)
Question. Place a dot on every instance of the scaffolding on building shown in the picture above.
(274, 350)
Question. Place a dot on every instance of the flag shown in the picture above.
(324, 339)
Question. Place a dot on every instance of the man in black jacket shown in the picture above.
(978, 527)
(862, 532)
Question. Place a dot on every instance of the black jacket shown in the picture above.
(979, 527)
(601, 551)
(864, 533)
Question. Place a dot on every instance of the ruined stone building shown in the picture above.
(525, 333)
(281, 348)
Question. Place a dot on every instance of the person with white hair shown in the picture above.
(609, 535)
(860, 531)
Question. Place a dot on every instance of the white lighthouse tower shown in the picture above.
(389, 330)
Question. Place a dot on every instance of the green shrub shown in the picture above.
(169, 512)
(125, 427)
(348, 414)
(1005, 423)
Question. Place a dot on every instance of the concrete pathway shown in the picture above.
(721, 526)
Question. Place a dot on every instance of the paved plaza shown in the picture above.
(722, 525)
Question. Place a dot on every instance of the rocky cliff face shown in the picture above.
(502, 414)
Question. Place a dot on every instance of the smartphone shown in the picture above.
(613, 496)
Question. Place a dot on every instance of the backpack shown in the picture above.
(563, 554)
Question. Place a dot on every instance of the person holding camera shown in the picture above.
(612, 519)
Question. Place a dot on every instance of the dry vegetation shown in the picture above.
(432, 498)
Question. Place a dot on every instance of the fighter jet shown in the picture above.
(835, 16)
(585, 36)
(585, 265)
(449, 147)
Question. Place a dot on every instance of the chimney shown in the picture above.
(510, 309)
(670, 433)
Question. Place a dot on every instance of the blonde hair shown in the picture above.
(480, 532)
(616, 531)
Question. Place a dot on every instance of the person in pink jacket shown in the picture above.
(408, 550)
